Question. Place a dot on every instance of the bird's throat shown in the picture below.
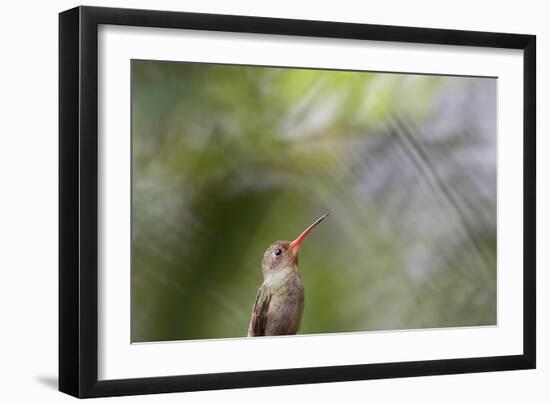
(277, 279)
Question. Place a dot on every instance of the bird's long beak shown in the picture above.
(295, 245)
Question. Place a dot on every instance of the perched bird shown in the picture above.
(280, 300)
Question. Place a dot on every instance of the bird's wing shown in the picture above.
(259, 313)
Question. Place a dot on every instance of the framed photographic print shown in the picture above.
(250, 201)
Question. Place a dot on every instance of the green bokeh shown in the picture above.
(228, 159)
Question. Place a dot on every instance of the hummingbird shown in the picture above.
(280, 300)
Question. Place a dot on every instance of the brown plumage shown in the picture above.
(280, 300)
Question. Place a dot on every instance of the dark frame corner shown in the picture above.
(78, 175)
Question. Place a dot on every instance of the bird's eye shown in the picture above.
(278, 251)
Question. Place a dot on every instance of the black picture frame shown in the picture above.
(78, 200)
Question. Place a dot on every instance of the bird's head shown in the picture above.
(284, 254)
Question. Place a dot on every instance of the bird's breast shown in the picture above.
(286, 307)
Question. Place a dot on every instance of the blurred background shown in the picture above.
(228, 159)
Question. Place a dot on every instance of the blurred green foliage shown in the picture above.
(228, 159)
